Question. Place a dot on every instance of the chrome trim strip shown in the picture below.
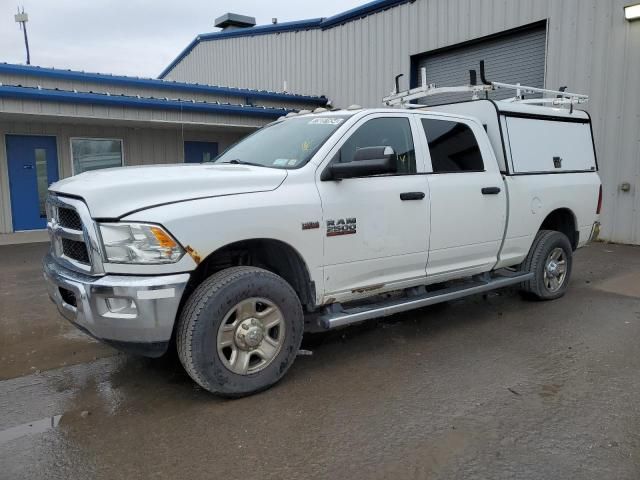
(60, 231)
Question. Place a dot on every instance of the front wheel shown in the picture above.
(240, 331)
(550, 260)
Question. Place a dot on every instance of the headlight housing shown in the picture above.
(138, 243)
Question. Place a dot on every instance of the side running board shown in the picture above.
(337, 315)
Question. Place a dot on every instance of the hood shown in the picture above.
(113, 192)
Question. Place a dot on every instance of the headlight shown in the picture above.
(138, 243)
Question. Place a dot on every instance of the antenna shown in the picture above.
(22, 18)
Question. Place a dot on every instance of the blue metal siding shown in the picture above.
(361, 11)
(263, 29)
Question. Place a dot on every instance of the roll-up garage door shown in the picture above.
(510, 58)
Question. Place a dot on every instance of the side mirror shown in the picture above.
(366, 161)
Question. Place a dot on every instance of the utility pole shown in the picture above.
(22, 18)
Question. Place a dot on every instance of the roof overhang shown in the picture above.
(63, 96)
(64, 119)
(137, 82)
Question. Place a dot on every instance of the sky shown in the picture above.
(131, 37)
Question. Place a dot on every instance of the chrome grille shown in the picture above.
(75, 250)
(74, 241)
(69, 219)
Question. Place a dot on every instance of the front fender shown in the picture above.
(206, 225)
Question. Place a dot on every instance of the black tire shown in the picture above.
(205, 310)
(546, 242)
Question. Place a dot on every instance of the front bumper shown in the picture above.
(132, 313)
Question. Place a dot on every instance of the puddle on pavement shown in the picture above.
(627, 285)
(39, 426)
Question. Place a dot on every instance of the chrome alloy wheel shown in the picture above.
(251, 336)
(555, 270)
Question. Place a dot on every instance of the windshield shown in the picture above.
(287, 144)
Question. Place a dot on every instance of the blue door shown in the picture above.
(33, 166)
(199, 152)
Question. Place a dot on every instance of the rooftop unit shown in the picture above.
(233, 21)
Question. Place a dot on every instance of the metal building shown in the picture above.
(57, 123)
(587, 45)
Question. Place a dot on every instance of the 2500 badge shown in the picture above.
(342, 226)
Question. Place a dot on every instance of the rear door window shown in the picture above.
(453, 146)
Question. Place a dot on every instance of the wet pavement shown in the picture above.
(487, 387)
(32, 337)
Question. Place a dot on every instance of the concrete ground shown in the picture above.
(486, 387)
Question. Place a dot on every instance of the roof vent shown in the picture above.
(233, 21)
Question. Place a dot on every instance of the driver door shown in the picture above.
(376, 228)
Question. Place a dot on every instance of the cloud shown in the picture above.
(131, 37)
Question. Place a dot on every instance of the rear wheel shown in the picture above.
(550, 260)
(240, 331)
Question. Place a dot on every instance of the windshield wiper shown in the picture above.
(237, 161)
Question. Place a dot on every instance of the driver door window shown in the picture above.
(391, 132)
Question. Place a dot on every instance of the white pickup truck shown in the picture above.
(320, 220)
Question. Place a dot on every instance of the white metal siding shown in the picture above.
(513, 58)
(591, 48)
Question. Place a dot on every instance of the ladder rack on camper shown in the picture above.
(402, 98)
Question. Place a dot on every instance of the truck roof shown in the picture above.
(501, 106)
(524, 108)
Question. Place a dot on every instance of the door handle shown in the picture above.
(412, 196)
(27, 167)
(490, 190)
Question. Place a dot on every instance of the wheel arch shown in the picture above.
(563, 220)
(271, 254)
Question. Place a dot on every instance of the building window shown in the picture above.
(200, 152)
(95, 153)
(453, 147)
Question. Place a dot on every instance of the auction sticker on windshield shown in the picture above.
(326, 121)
